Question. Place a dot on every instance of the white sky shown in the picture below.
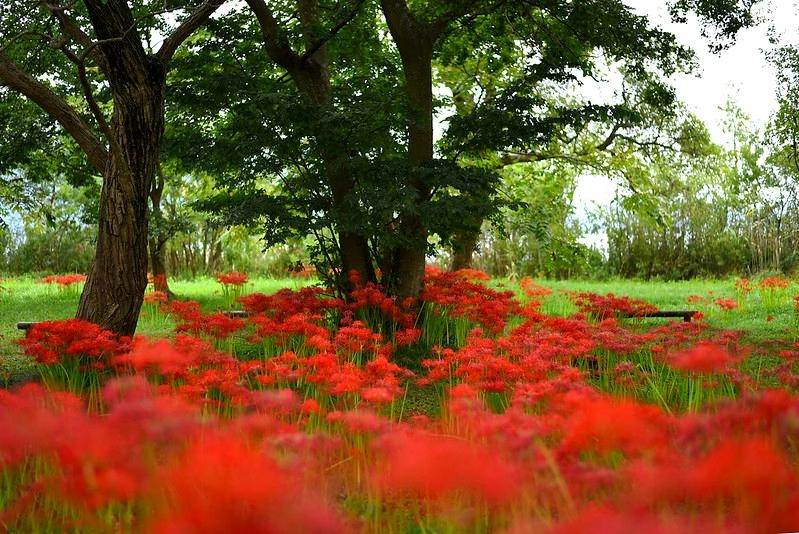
(740, 73)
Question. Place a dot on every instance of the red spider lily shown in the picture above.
(706, 357)
(155, 296)
(726, 304)
(357, 339)
(531, 353)
(531, 289)
(310, 406)
(97, 460)
(359, 421)
(749, 478)
(460, 297)
(346, 378)
(31, 419)
(158, 281)
(605, 425)
(743, 286)
(188, 312)
(233, 278)
(607, 520)
(298, 332)
(610, 306)
(63, 280)
(473, 274)
(696, 299)
(221, 326)
(774, 283)
(158, 357)
(441, 467)
(373, 297)
(222, 485)
(285, 302)
(51, 342)
(407, 336)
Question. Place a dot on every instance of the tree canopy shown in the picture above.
(318, 117)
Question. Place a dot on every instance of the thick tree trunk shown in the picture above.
(356, 261)
(127, 155)
(114, 290)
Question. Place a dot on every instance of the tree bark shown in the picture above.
(157, 243)
(415, 41)
(463, 246)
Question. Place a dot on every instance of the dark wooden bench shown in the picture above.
(26, 325)
(240, 314)
(686, 315)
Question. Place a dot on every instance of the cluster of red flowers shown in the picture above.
(309, 425)
(52, 342)
(63, 280)
(233, 278)
(726, 304)
(743, 286)
(155, 296)
(774, 283)
(459, 294)
(610, 305)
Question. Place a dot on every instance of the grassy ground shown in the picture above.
(23, 299)
(760, 318)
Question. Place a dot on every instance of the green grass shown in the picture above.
(756, 320)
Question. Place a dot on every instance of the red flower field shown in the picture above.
(470, 411)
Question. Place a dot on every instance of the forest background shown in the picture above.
(527, 107)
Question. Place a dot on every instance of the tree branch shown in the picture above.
(186, 28)
(319, 43)
(277, 48)
(72, 30)
(12, 76)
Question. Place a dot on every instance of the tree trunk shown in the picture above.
(310, 73)
(157, 248)
(157, 243)
(114, 290)
(127, 156)
(463, 246)
(415, 41)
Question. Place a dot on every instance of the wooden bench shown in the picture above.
(26, 325)
(240, 314)
(686, 315)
